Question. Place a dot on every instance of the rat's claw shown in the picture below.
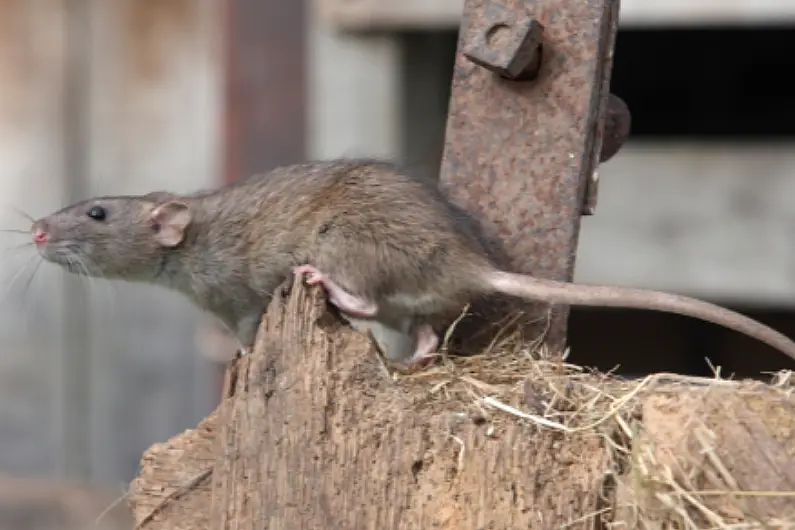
(338, 296)
(314, 276)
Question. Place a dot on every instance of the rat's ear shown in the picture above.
(169, 222)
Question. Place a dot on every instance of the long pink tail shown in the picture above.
(606, 296)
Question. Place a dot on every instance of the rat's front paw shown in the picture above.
(314, 276)
(345, 301)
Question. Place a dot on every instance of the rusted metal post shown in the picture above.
(526, 125)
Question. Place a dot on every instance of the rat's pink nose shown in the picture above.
(40, 235)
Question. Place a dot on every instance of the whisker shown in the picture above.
(107, 287)
(83, 267)
(89, 264)
(86, 263)
(12, 231)
(20, 212)
(18, 273)
(26, 303)
(81, 261)
(30, 279)
(17, 247)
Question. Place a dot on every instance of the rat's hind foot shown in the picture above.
(425, 352)
(338, 296)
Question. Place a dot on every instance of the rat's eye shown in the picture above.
(97, 213)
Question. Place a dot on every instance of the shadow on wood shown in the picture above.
(316, 433)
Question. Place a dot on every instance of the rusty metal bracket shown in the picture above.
(521, 155)
(508, 44)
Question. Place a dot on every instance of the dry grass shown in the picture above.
(680, 479)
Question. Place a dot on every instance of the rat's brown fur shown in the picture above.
(245, 238)
(383, 235)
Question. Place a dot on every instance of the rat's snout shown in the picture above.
(40, 232)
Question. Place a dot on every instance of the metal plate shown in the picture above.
(519, 155)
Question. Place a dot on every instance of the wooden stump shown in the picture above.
(316, 433)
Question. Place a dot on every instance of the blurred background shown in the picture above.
(130, 96)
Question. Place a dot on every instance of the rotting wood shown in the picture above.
(315, 433)
(166, 495)
(318, 435)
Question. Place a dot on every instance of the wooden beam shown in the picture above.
(446, 14)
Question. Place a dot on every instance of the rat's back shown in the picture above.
(381, 198)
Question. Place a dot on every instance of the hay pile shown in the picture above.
(318, 430)
(684, 452)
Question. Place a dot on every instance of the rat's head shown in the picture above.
(114, 237)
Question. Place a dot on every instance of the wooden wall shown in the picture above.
(99, 96)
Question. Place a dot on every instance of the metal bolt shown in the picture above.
(509, 43)
(616, 127)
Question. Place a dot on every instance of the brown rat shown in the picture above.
(392, 253)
